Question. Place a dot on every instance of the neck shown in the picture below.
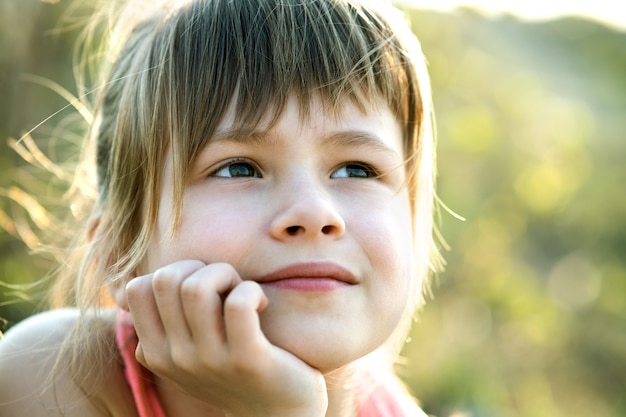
(342, 400)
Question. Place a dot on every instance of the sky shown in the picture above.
(609, 12)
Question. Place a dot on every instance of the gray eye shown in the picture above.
(237, 169)
(354, 171)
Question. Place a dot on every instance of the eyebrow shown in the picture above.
(351, 138)
(358, 139)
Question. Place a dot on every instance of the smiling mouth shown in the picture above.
(312, 276)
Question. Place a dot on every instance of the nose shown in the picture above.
(307, 212)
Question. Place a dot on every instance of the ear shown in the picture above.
(95, 236)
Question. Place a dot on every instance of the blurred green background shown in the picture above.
(529, 317)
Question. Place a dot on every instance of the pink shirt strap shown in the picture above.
(139, 378)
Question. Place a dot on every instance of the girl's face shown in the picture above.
(315, 210)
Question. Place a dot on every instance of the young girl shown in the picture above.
(263, 224)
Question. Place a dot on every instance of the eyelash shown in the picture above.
(237, 161)
(369, 170)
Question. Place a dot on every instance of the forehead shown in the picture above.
(346, 113)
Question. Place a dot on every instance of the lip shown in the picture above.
(309, 275)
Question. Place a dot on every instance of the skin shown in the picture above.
(218, 316)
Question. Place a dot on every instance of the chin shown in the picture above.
(326, 347)
(326, 359)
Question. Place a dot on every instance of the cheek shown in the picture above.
(388, 234)
(222, 236)
(208, 232)
(390, 253)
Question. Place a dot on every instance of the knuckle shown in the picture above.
(235, 306)
(243, 363)
(250, 287)
(169, 277)
(223, 269)
(183, 359)
(210, 360)
(240, 300)
(163, 281)
(190, 290)
(156, 360)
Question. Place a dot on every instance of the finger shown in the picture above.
(202, 294)
(145, 314)
(166, 284)
(241, 318)
(139, 355)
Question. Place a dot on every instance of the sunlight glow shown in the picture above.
(608, 12)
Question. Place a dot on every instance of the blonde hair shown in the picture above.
(169, 78)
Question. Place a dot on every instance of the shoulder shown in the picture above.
(35, 376)
(36, 340)
(50, 324)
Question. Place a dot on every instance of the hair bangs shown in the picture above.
(255, 55)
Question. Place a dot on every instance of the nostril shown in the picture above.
(293, 230)
(327, 230)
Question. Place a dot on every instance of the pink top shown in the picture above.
(138, 377)
(380, 403)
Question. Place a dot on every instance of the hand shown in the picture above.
(198, 326)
